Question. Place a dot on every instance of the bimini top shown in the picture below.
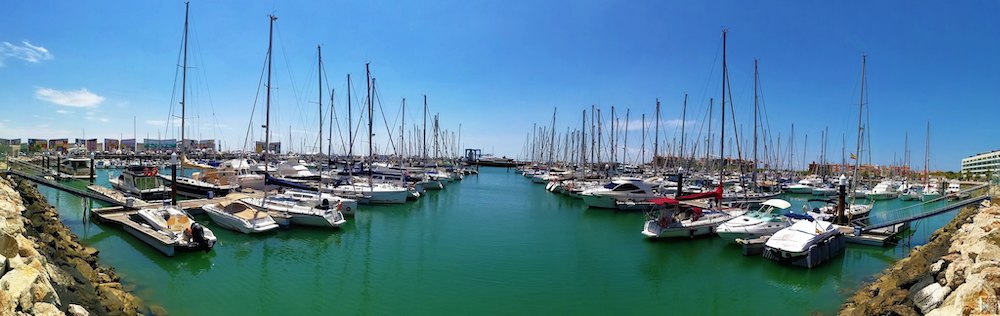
(777, 203)
(663, 201)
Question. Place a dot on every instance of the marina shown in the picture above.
(471, 158)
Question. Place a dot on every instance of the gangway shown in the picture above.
(907, 214)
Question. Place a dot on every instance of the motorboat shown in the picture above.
(76, 164)
(883, 191)
(764, 221)
(953, 188)
(141, 182)
(295, 171)
(619, 190)
(300, 211)
(348, 206)
(824, 190)
(374, 193)
(239, 216)
(829, 211)
(805, 186)
(168, 229)
(805, 243)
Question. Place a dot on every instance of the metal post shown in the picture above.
(91, 168)
(680, 182)
(173, 178)
(841, 197)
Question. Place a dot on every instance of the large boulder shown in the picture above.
(45, 309)
(77, 310)
(928, 294)
(27, 285)
(8, 245)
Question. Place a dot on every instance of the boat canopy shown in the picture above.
(777, 203)
(663, 201)
(717, 194)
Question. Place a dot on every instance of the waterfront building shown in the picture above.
(981, 164)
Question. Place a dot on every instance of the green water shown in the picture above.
(491, 244)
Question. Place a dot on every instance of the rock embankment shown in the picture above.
(44, 270)
(956, 273)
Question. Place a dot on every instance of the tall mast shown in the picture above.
(656, 136)
(722, 141)
(861, 105)
(927, 152)
(425, 129)
(625, 144)
(184, 82)
(350, 124)
(371, 155)
(683, 121)
(643, 147)
(583, 137)
(319, 74)
(267, 111)
(756, 77)
(552, 137)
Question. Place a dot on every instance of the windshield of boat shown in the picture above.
(610, 185)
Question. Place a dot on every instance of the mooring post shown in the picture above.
(92, 167)
(58, 162)
(841, 198)
(680, 182)
(173, 178)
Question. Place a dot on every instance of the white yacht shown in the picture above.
(301, 211)
(684, 219)
(829, 211)
(376, 193)
(794, 243)
(181, 232)
(805, 186)
(953, 188)
(762, 222)
(619, 190)
(885, 190)
(239, 216)
(141, 182)
(932, 191)
(295, 171)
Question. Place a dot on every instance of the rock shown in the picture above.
(3, 265)
(58, 276)
(936, 267)
(27, 286)
(980, 266)
(928, 295)
(77, 310)
(158, 310)
(8, 245)
(117, 301)
(45, 309)
(7, 303)
(954, 275)
(26, 248)
(86, 271)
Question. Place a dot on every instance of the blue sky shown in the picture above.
(496, 67)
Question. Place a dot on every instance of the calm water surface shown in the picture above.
(491, 244)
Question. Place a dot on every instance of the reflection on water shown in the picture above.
(492, 243)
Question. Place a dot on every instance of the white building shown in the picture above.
(980, 165)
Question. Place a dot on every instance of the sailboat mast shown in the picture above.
(319, 75)
(861, 105)
(756, 77)
(371, 155)
(656, 135)
(722, 141)
(425, 131)
(184, 82)
(683, 121)
(267, 111)
(625, 144)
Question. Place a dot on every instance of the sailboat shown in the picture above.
(931, 190)
(209, 182)
(683, 216)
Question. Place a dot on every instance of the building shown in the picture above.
(159, 145)
(38, 145)
(10, 146)
(275, 147)
(59, 144)
(981, 165)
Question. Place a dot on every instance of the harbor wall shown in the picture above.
(44, 269)
(956, 273)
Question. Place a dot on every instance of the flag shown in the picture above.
(854, 157)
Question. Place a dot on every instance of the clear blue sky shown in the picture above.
(496, 67)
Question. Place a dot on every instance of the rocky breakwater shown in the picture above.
(44, 270)
(956, 273)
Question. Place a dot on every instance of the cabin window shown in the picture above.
(626, 187)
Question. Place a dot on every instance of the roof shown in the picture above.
(778, 203)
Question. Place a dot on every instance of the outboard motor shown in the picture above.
(198, 236)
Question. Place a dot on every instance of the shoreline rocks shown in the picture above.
(956, 273)
(44, 269)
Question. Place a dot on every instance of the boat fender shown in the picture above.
(154, 171)
(145, 171)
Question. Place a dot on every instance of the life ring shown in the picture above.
(154, 171)
(145, 171)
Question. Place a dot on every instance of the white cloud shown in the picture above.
(76, 98)
(64, 112)
(100, 119)
(25, 51)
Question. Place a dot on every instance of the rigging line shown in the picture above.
(364, 109)
(291, 78)
(173, 93)
(208, 90)
(256, 98)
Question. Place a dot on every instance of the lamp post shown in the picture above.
(92, 156)
(173, 178)
(842, 197)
